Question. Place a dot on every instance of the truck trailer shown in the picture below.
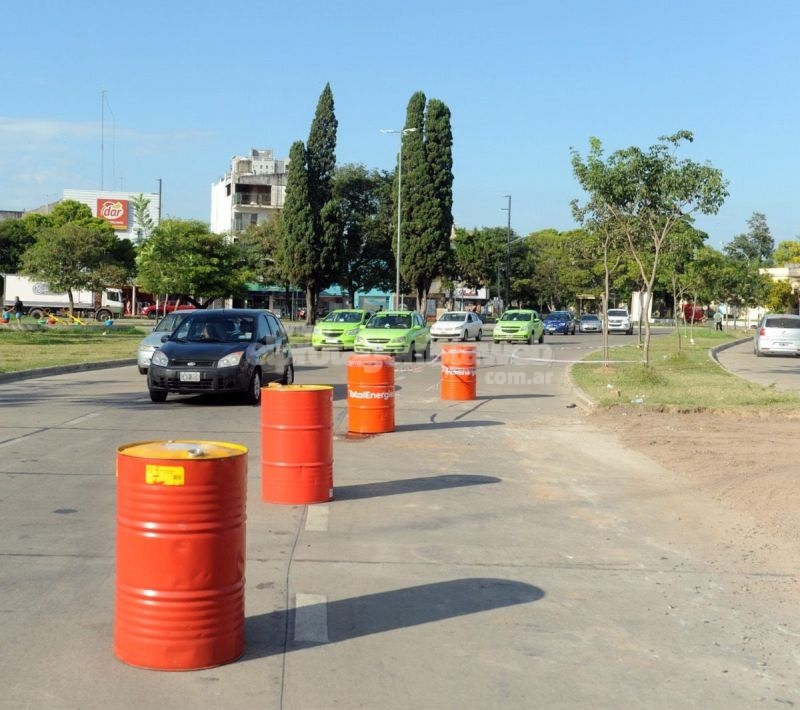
(38, 300)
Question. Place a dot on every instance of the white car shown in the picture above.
(149, 344)
(457, 325)
(618, 320)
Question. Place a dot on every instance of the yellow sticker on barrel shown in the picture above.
(166, 475)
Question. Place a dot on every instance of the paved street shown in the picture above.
(495, 553)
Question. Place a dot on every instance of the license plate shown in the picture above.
(378, 347)
(190, 377)
(332, 341)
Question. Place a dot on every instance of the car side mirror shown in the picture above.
(165, 338)
(267, 340)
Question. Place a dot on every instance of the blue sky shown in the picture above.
(189, 85)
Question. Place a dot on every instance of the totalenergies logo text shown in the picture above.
(115, 212)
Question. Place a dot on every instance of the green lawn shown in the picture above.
(45, 346)
(685, 381)
(38, 346)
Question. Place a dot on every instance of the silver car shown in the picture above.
(457, 325)
(777, 334)
(148, 344)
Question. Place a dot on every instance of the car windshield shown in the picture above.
(167, 323)
(390, 320)
(782, 322)
(517, 315)
(589, 316)
(457, 317)
(216, 330)
(558, 315)
(618, 314)
(343, 317)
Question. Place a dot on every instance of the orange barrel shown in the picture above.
(370, 394)
(297, 443)
(459, 371)
(180, 554)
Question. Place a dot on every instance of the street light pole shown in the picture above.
(403, 132)
(508, 249)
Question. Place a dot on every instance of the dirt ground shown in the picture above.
(749, 463)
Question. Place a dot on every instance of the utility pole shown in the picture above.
(508, 251)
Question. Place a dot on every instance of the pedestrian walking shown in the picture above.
(718, 320)
(19, 309)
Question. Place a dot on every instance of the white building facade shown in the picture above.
(251, 193)
(116, 207)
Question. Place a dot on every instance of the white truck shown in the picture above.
(37, 299)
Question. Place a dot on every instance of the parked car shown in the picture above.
(151, 341)
(777, 334)
(403, 334)
(457, 325)
(520, 325)
(590, 323)
(559, 322)
(164, 307)
(222, 351)
(693, 313)
(339, 329)
(618, 320)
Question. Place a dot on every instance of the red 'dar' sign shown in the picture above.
(114, 211)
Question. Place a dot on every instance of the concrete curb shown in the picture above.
(712, 353)
(63, 369)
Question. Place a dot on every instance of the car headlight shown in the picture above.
(231, 360)
(160, 359)
(359, 338)
(399, 339)
(316, 330)
(353, 331)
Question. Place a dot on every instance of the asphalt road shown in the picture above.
(495, 553)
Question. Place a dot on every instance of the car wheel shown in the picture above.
(479, 336)
(426, 353)
(496, 342)
(541, 338)
(158, 396)
(152, 315)
(317, 348)
(288, 375)
(254, 390)
(142, 370)
(464, 337)
(529, 341)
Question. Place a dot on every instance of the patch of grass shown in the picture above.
(37, 346)
(685, 381)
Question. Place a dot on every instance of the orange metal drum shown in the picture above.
(459, 371)
(181, 508)
(297, 444)
(370, 394)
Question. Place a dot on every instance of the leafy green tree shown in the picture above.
(184, 259)
(424, 253)
(71, 256)
(756, 245)
(647, 194)
(781, 298)
(16, 236)
(363, 199)
(260, 247)
(478, 254)
(787, 252)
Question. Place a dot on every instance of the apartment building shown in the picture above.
(251, 193)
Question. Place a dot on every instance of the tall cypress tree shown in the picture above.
(321, 161)
(299, 250)
(439, 151)
(421, 254)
